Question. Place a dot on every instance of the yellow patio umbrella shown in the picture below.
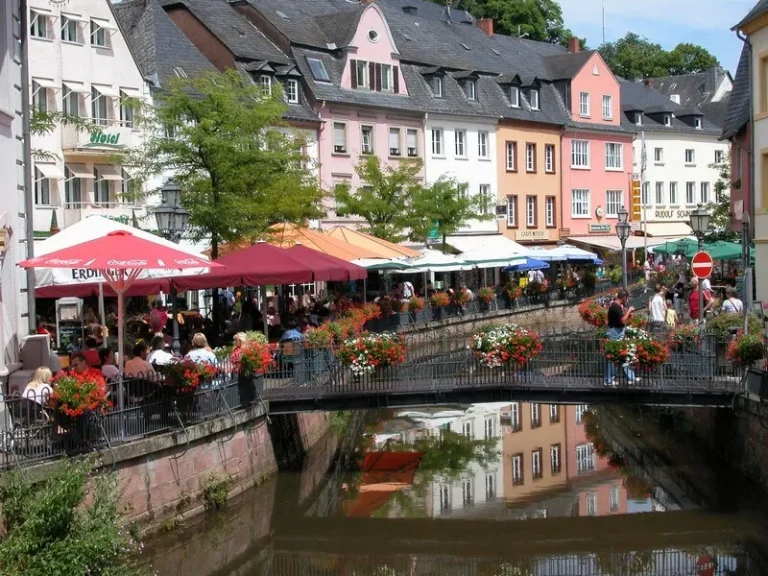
(383, 248)
(287, 235)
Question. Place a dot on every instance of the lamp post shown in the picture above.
(623, 229)
(172, 220)
(699, 225)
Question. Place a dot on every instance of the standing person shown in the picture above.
(658, 306)
(678, 291)
(693, 301)
(408, 290)
(732, 304)
(158, 318)
(618, 316)
(671, 318)
(647, 270)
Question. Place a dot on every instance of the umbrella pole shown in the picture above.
(263, 292)
(365, 290)
(101, 304)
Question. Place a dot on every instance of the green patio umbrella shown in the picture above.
(720, 250)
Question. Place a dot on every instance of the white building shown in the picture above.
(681, 150)
(13, 308)
(465, 149)
(80, 65)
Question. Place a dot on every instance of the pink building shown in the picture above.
(596, 162)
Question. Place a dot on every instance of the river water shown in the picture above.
(487, 490)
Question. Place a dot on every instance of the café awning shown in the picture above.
(384, 248)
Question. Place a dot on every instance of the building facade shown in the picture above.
(13, 307)
(81, 66)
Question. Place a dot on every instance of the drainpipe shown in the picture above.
(320, 129)
(562, 182)
(29, 201)
(750, 230)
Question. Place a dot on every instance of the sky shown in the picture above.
(666, 22)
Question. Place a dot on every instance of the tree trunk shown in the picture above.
(217, 319)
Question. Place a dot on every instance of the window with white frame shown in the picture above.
(387, 78)
(514, 416)
(467, 492)
(39, 97)
(99, 107)
(510, 155)
(517, 469)
(292, 91)
(607, 107)
(534, 96)
(490, 487)
(591, 503)
(445, 498)
(645, 197)
(70, 102)
(362, 74)
(530, 211)
(42, 189)
(581, 409)
(554, 458)
(40, 26)
(100, 189)
(614, 153)
(697, 123)
(719, 156)
(579, 153)
(705, 193)
(638, 118)
(470, 89)
(70, 30)
(394, 141)
(614, 499)
(437, 141)
(265, 81)
(489, 430)
(340, 137)
(550, 211)
(584, 104)
(512, 211)
(536, 464)
(466, 429)
(658, 155)
(412, 142)
(579, 203)
(613, 202)
(667, 120)
(436, 84)
(129, 189)
(126, 110)
(100, 33)
(485, 196)
(549, 158)
(659, 193)
(530, 157)
(72, 189)
(460, 143)
(690, 157)
(535, 415)
(366, 139)
(514, 96)
(585, 458)
(673, 193)
(482, 145)
(554, 413)
(690, 193)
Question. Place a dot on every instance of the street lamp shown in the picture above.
(623, 229)
(700, 225)
(172, 220)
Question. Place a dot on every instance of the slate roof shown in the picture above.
(693, 89)
(759, 9)
(738, 112)
(156, 43)
(638, 96)
(566, 66)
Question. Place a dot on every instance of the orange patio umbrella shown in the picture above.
(287, 235)
(383, 248)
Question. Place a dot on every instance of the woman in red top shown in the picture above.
(693, 300)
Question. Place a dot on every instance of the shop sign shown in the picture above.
(532, 235)
(599, 228)
(104, 139)
(672, 214)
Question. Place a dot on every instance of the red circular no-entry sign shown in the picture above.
(702, 265)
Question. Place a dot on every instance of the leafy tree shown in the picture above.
(68, 525)
(720, 209)
(238, 170)
(384, 198)
(634, 57)
(446, 206)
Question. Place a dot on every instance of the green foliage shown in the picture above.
(215, 492)
(720, 209)
(239, 168)
(447, 206)
(540, 20)
(384, 198)
(68, 525)
(339, 422)
(615, 275)
(723, 325)
(634, 57)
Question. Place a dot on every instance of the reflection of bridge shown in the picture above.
(443, 370)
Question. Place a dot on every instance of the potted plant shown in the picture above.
(746, 349)
(651, 354)
(503, 345)
(76, 397)
(513, 292)
(594, 311)
(369, 352)
(486, 295)
(183, 378)
(684, 338)
(319, 347)
(416, 308)
(255, 361)
(439, 300)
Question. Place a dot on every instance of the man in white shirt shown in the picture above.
(407, 290)
(158, 356)
(658, 305)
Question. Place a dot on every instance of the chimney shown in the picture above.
(366, 1)
(486, 25)
(574, 44)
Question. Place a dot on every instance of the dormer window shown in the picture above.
(697, 123)
(292, 91)
(374, 76)
(667, 120)
(534, 96)
(361, 77)
(514, 96)
(470, 89)
(387, 78)
(436, 84)
(638, 119)
(266, 83)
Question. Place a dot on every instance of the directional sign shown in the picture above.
(702, 265)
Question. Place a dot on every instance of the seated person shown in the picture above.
(159, 355)
(91, 352)
(292, 332)
(108, 367)
(138, 367)
(39, 388)
(200, 351)
(79, 365)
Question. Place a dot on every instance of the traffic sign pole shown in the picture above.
(701, 266)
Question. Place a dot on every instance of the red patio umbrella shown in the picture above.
(120, 257)
(340, 269)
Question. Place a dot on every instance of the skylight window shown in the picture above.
(179, 72)
(282, 15)
(495, 51)
(318, 70)
(465, 46)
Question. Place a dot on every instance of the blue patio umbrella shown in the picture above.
(529, 264)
